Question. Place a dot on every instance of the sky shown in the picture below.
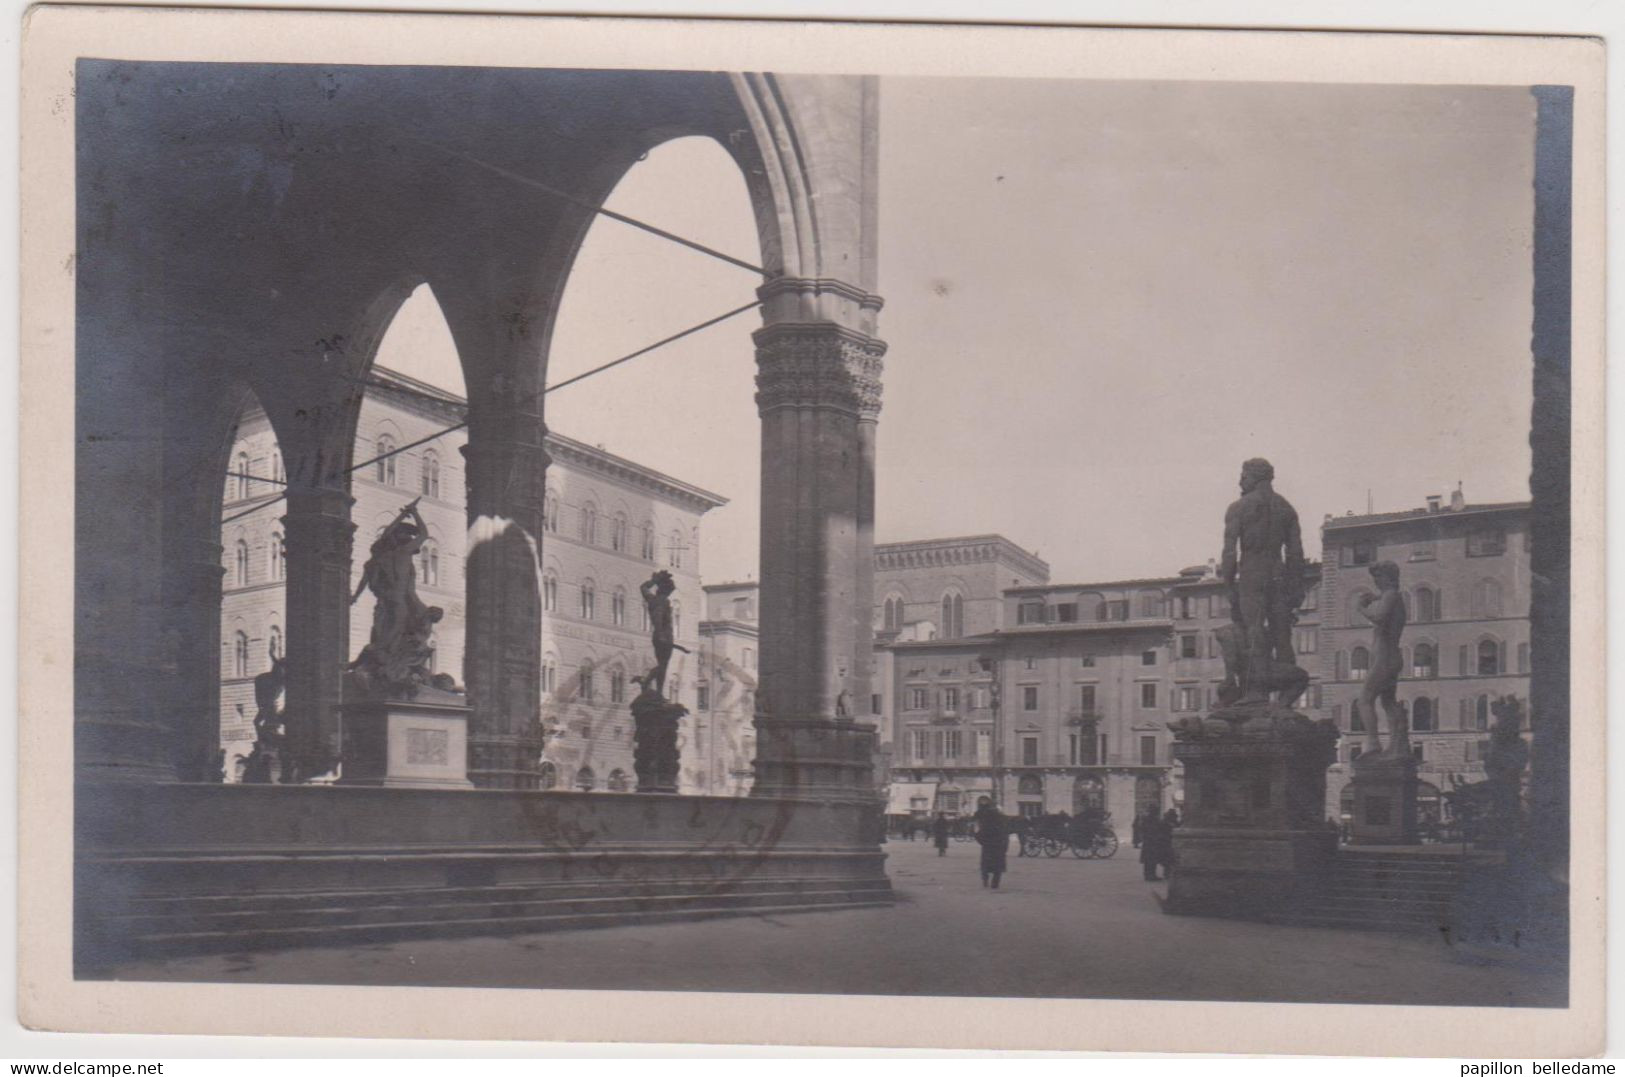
(1101, 297)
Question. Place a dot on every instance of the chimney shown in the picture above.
(1434, 501)
(1458, 500)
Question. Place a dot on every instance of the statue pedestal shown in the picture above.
(416, 743)
(1384, 790)
(1254, 841)
(654, 743)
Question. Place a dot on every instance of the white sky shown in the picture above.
(1100, 299)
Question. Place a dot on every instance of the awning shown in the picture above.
(902, 793)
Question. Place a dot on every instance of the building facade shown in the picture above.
(1465, 577)
(718, 757)
(608, 523)
(1067, 705)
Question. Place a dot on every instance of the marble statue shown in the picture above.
(1263, 566)
(396, 658)
(1386, 612)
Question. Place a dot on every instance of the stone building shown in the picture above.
(609, 523)
(722, 735)
(1067, 703)
(1465, 577)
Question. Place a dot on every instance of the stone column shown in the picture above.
(818, 392)
(319, 537)
(189, 653)
(506, 476)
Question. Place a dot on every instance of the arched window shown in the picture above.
(617, 686)
(278, 473)
(617, 533)
(589, 524)
(550, 511)
(240, 655)
(550, 592)
(1487, 599)
(894, 614)
(429, 565)
(1357, 619)
(1423, 715)
(589, 600)
(1425, 661)
(1359, 663)
(647, 541)
(547, 776)
(586, 780)
(617, 781)
(1150, 604)
(1426, 606)
(588, 689)
(1489, 658)
(674, 557)
(278, 549)
(240, 476)
(953, 616)
(617, 606)
(275, 636)
(431, 474)
(242, 563)
(550, 674)
(385, 466)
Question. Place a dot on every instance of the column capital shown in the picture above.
(818, 365)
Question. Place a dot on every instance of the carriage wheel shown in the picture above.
(1084, 850)
(1052, 847)
(1104, 845)
(1031, 845)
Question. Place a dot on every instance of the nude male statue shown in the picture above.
(1386, 612)
(1263, 565)
(656, 592)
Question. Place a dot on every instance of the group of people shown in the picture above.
(1154, 837)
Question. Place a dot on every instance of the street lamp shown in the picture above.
(990, 666)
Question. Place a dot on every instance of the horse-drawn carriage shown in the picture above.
(1090, 837)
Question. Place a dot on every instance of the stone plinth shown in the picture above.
(1253, 843)
(1384, 791)
(814, 757)
(415, 743)
(654, 743)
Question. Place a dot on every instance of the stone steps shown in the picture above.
(351, 933)
(167, 924)
(1384, 892)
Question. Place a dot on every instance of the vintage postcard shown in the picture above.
(811, 533)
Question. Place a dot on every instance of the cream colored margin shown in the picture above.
(48, 996)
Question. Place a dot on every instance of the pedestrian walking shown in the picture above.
(939, 834)
(1165, 847)
(1156, 843)
(993, 834)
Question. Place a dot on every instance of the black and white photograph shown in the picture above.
(809, 510)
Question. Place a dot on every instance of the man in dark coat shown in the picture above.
(939, 834)
(993, 834)
(1156, 845)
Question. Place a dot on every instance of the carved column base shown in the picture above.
(1384, 790)
(655, 756)
(821, 758)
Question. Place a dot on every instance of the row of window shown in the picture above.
(585, 780)
(949, 746)
(585, 688)
(242, 660)
(592, 528)
(1426, 715)
(1488, 659)
(386, 470)
(1484, 542)
(587, 604)
(951, 624)
(242, 482)
(1426, 603)
(276, 562)
(1147, 604)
